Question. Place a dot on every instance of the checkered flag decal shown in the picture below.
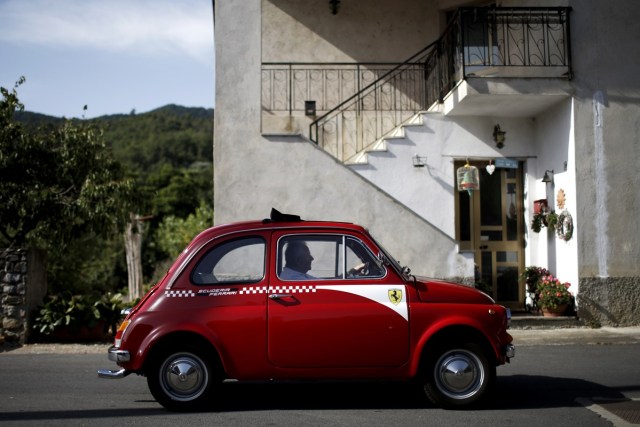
(179, 294)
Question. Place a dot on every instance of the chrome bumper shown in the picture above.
(112, 374)
(510, 351)
(115, 355)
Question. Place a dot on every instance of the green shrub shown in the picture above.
(72, 312)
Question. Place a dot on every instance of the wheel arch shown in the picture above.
(180, 339)
(450, 335)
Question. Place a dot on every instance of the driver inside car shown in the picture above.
(298, 260)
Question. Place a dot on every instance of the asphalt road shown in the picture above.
(550, 382)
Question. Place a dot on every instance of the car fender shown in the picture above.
(164, 331)
(449, 323)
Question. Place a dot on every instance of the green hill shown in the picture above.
(173, 135)
(169, 154)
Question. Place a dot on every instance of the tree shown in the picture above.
(133, 252)
(57, 182)
(174, 234)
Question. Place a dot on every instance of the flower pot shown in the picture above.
(554, 312)
(539, 206)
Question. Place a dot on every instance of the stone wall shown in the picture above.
(23, 286)
(610, 301)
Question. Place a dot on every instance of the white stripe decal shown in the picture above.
(376, 293)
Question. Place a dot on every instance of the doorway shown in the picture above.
(490, 223)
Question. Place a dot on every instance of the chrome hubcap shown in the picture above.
(459, 374)
(184, 377)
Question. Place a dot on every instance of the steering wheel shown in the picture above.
(360, 270)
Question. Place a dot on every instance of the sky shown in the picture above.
(114, 56)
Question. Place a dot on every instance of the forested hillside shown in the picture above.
(173, 135)
(179, 136)
(168, 152)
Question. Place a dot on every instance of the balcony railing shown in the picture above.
(371, 100)
(287, 86)
(514, 42)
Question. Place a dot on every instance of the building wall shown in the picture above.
(596, 133)
(302, 31)
(255, 172)
(441, 140)
(607, 116)
(555, 152)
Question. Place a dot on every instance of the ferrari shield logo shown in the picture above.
(395, 296)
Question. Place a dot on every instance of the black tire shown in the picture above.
(459, 376)
(181, 380)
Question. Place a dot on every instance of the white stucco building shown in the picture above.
(363, 111)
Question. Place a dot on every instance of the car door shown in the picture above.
(335, 319)
(224, 290)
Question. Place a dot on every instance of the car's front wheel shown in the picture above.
(459, 375)
(181, 380)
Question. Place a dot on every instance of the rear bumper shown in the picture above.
(118, 356)
(112, 374)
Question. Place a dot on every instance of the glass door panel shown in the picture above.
(490, 223)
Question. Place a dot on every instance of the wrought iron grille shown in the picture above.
(518, 39)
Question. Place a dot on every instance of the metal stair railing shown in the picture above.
(362, 119)
(480, 42)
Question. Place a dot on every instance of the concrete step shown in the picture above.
(538, 321)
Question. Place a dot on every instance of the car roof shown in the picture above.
(275, 221)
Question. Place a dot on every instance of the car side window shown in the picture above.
(240, 260)
(315, 257)
(360, 261)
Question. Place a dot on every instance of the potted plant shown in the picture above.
(537, 222)
(540, 206)
(553, 295)
(531, 276)
(544, 218)
(551, 220)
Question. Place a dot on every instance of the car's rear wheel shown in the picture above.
(459, 375)
(181, 380)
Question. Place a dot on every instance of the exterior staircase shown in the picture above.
(477, 43)
(381, 144)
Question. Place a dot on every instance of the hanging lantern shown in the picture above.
(468, 178)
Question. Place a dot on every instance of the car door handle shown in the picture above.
(280, 296)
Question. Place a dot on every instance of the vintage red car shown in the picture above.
(287, 299)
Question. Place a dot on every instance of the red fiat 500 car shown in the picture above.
(286, 299)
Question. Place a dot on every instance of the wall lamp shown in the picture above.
(499, 136)
(546, 178)
(419, 161)
(335, 5)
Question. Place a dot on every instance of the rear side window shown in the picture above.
(240, 260)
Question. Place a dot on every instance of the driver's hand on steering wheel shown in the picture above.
(360, 270)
